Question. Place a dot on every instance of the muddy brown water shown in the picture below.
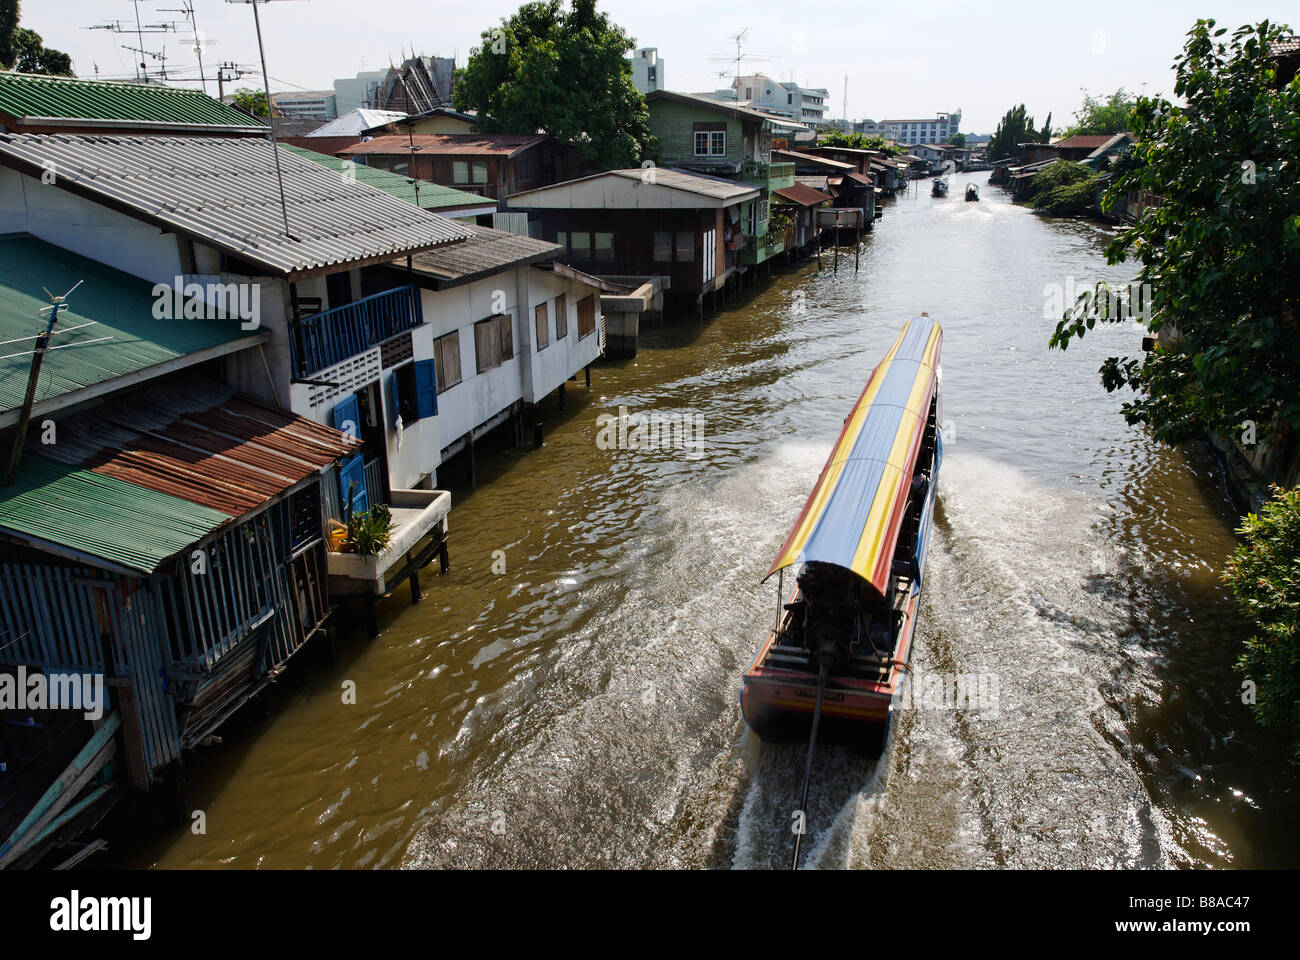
(581, 707)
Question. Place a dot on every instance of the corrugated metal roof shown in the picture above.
(697, 183)
(433, 196)
(814, 158)
(108, 304)
(459, 144)
(90, 101)
(199, 441)
(86, 513)
(355, 122)
(803, 195)
(722, 106)
(224, 191)
(487, 252)
(1080, 140)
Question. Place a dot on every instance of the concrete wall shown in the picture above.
(66, 220)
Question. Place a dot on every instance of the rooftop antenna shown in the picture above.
(739, 40)
(140, 29)
(187, 9)
(270, 125)
(33, 376)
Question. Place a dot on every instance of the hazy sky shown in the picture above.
(914, 60)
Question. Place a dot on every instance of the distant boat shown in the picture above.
(940, 188)
(972, 192)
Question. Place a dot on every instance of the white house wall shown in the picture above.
(74, 223)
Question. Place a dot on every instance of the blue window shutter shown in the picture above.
(395, 396)
(346, 410)
(426, 388)
(353, 471)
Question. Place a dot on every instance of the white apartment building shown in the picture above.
(911, 132)
(647, 70)
(806, 105)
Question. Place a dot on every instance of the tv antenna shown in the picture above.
(33, 377)
(740, 57)
(140, 29)
(270, 121)
(187, 10)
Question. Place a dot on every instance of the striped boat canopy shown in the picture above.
(853, 516)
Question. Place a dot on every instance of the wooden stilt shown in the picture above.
(587, 371)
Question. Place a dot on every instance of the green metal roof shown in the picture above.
(433, 196)
(108, 303)
(88, 514)
(67, 98)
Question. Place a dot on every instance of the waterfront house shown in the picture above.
(445, 201)
(644, 222)
(342, 131)
(161, 533)
(726, 140)
(44, 104)
(437, 120)
(491, 165)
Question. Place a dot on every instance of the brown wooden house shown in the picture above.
(490, 164)
(645, 222)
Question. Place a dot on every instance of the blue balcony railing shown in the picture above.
(326, 338)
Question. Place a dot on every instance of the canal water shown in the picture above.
(568, 695)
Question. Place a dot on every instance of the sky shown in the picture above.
(978, 57)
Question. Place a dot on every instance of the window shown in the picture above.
(605, 246)
(663, 246)
(528, 166)
(541, 325)
(586, 317)
(789, 98)
(580, 245)
(494, 342)
(460, 171)
(403, 393)
(480, 171)
(685, 246)
(710, 139)
(562, 238)
(561, 317)
(446, 359)
(401, 166)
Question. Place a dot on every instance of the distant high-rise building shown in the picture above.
(306, 105)
(352, 93)
(936, 130)
(647, 70)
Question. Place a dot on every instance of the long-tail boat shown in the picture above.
(840, 644)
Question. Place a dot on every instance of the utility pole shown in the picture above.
(33, 377)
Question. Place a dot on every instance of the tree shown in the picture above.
(1263, 576)
(252, 102)
(858, 141)
(957, 140)
(1015, 127)
(564, 74)
(1098, 116)
(23, 50)
(1063, 188)
(1046, 135)
(1221, 251)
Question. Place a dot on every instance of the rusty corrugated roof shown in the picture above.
(461, 144)
(803, 195)
(200, 442)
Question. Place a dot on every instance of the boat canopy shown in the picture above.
(853, 516)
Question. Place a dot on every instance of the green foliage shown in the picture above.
(1097, 115)
(24, 51)
(957, 140)
(1221, 251)
(1264, 576)
(252, 102)
(1062, 188)
(564, 74)
(1045, 135)
(1015, 127)
(858, 141)
(369, 533)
